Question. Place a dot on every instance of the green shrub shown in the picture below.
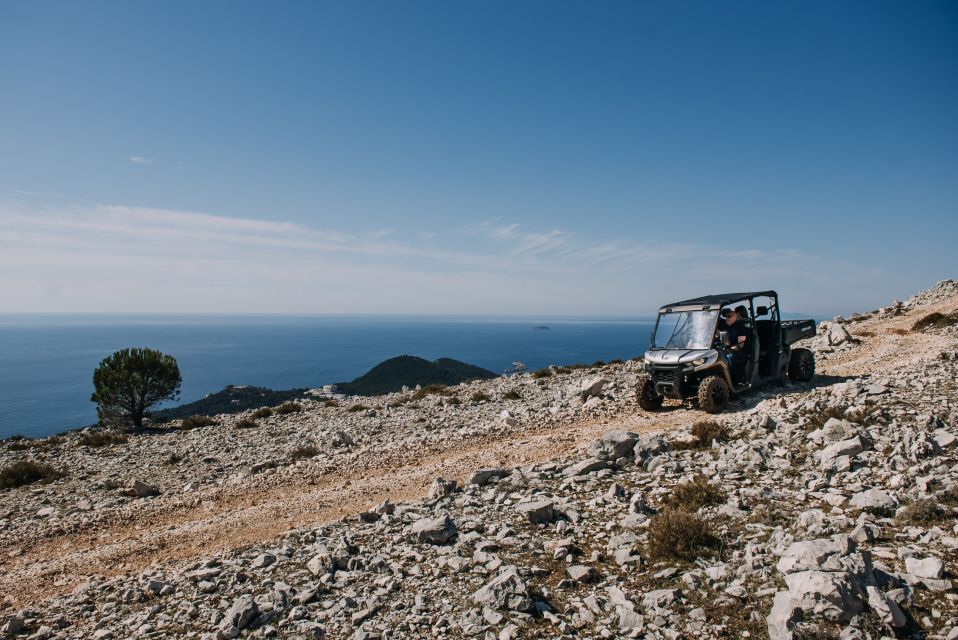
(675, 534)
(303, 453)
(246, 423)
(287, 408)
(27, 472)
(598, 363)
(695, 494)
(261, 414)
(129, 382)
(511, 395)
(102, 439)
(196, 422)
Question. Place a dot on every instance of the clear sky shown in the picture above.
(474, 157)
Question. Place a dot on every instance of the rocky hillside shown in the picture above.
(409, 371)
(535, 506)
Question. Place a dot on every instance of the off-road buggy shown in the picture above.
(689, 356)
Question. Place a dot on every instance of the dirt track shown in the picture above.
(237, 518)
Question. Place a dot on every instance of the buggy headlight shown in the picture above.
(706, 361)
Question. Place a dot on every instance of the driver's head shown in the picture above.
(730, 316)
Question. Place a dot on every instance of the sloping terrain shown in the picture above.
(392, 375)
(832, 503)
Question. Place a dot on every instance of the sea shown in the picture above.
(47, 362)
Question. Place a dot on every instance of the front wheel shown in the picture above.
(648, 398)
(713, 394)
(801, 365)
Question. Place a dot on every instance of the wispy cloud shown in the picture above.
(140, 160)
(127, 258)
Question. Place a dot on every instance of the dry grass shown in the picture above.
(27, 472)
(704, 433)
(865, 333)
(431, 390)
(174, 458)
(246, 423)
(696, 493)
(922, 512)
(102, 439)
(356, 408)
(679, 535)
(541, 373)
(287, 408)
(260, 414)
(196, 422)
(900, 332)
(480, 396)
(454, 401)
(816, 418)
(511, 395)
(303, 453)
(936, 320)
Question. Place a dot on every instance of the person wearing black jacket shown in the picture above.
(738, 335)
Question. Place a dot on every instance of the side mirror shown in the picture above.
(761, 311)
(723, 337)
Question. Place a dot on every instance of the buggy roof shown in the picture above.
(719, 299)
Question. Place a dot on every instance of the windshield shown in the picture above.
(685, 330)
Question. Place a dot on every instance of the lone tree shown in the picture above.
(131, 381)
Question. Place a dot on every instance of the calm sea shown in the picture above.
(47, 362)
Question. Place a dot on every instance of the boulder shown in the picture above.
(648, 446)
(433, 530)
(506, 591)
(660, 598)
(239, 616)
(614, 445)
(783, 616)
(829, 594)
(581, 573)
(585, 467)
(440, 488)
(539, 512)
(142, 490)
(483, 476)
(837, 335)
(851, 448)
(925, 567)
(874, 500)
(886, 608)
(590, 387)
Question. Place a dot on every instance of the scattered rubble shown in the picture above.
(814, 506)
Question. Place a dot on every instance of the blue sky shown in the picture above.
(482, 157)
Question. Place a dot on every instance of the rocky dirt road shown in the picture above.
(231, 488)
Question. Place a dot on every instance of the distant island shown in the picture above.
(408, 371)
(386, 377)
(541, 327)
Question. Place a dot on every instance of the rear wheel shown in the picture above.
(713, 394)
(801, 365)
(648, 398)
